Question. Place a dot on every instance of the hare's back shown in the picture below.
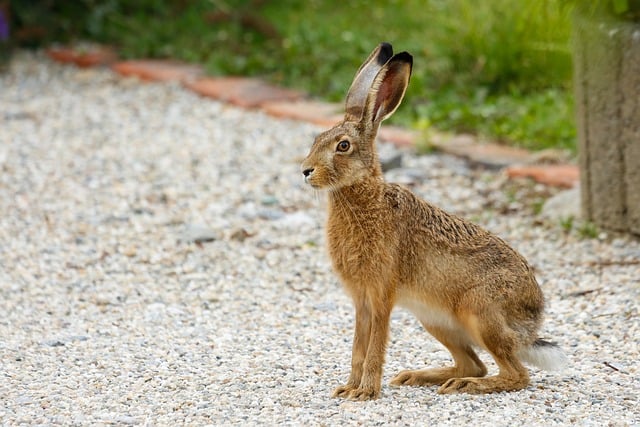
(432, 238)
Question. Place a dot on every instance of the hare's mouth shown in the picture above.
(309, 181)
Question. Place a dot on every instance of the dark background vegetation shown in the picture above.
(497, 68)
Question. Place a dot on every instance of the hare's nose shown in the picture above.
(307, 172)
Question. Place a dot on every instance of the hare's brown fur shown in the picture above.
(465, 285)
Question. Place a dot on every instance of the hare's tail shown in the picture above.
(544, 354)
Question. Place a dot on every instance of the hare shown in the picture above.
(467, 287)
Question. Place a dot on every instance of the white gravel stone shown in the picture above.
(108, 317)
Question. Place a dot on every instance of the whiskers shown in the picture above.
(317, 195)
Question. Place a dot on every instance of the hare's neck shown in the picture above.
(357, 198)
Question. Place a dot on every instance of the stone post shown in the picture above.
(607, 84)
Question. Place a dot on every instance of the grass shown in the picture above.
(498, 68)
(584, 229)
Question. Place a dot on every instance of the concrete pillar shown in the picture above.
(630, 83)
(607, 83)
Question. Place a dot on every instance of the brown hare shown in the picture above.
(466, 286)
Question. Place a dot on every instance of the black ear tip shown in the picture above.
(404, 57)
(386, 52)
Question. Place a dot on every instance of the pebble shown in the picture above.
(100, 174)
(564, 205)
(195, 233)
(392, 162)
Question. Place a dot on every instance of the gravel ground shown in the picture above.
(162, 262)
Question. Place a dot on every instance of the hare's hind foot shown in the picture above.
(487, 385)
(436, 376)
(422, 377)
(467, 363)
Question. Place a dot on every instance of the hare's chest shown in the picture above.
(358, 256)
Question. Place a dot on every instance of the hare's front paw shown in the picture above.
(343, 391)
(363, 393)
(353, 392)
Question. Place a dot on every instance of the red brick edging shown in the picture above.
(563, 175)
(157, 70)
(241, 91)
(83, 58)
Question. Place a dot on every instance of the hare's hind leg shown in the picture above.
(501, 342)
(467, 363)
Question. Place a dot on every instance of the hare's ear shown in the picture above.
(388, 89)
(364, 78)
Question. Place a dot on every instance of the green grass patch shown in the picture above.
(537, 120)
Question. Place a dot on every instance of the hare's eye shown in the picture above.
(343, 146)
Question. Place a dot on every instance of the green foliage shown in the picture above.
(567, 224)
(626, 10)
(500, 68)
(537, 205)
(541, 119)
(620, 6)
(588, 230)
(584, 229)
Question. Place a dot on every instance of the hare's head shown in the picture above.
(346, 154)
